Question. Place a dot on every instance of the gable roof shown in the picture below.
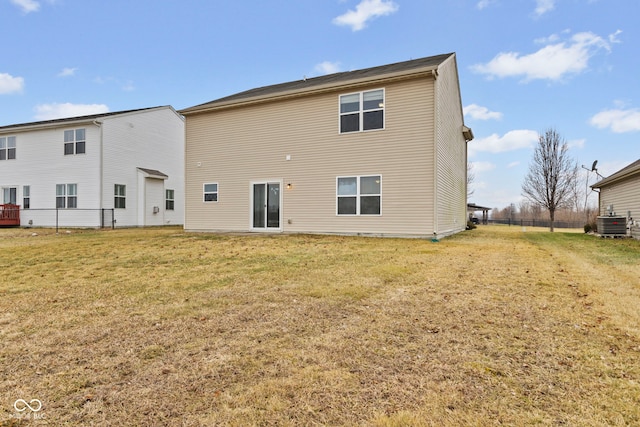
(626, 172)
(69, 120)
(330, 81)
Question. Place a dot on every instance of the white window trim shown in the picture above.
(172, 199)
(26, 196)
(278, 181)
(75, 142)
(358, 194)
(217, 192)
(118, 196)
(6, 146)
(67, 195)
(361, 111)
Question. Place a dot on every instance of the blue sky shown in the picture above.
(524, 65)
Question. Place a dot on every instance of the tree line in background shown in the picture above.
(554, 189)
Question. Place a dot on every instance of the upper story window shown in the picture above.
(362, 111)
(211, 192)
(120, 196)
(359, 195)
(74, 141)
(7, 147)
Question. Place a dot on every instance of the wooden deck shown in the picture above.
(9, 215)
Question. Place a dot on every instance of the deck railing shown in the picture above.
(9, 215)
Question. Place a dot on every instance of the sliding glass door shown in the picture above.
(265, 205)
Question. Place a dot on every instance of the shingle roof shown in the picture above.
(632, 169)
(431, 62)
(154, 172)
(72, 119)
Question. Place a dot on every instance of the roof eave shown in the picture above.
(467, 133)
(95, 119)
(316, 89)
(613, 179)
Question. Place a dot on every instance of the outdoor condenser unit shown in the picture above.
(608, 225)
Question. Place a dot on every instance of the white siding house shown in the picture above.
(379, 151)
(67, 172)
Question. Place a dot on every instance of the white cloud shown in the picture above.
(576, 143)
(59, 111)
(510, 141)
(27, 6)
(484, 3)
(482, 166)
(618, 120)
(513, 164)
(128, 86)
(327, 67)
(365, 11)
(552, 62)
(479, 112)
(67, 72)
(10, 84)
(544, 6)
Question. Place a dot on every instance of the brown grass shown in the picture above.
(150, 327)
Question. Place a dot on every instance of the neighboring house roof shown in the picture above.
(473, 206)
(626, 172)
(328, 82)
(69, 120)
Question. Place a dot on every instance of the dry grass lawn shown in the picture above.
(155, 327)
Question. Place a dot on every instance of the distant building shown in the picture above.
(378, 151)
(620, 193)
(69, 171)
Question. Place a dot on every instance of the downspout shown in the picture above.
(436, 128)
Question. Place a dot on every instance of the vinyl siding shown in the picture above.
(150, 139)
(236, 146)
(623, 195)
(40, 163)
(451, 153)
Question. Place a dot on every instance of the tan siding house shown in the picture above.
(622, 191)
(380, 151)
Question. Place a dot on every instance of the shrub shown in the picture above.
(591, 227)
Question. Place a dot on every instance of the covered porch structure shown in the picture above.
(472, 208)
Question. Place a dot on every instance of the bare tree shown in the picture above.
(552, 175)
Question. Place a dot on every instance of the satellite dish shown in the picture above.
(593, 167)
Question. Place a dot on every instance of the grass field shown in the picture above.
(154, 327)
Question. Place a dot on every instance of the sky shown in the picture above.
(524, 66)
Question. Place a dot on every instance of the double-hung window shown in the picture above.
(74, 141)
(26, 196)
(7, 148)
(169, 200)
(211, 192)
(66, 196)
(359, 195)
(10, 195)
(120, 196)
(362, 111)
